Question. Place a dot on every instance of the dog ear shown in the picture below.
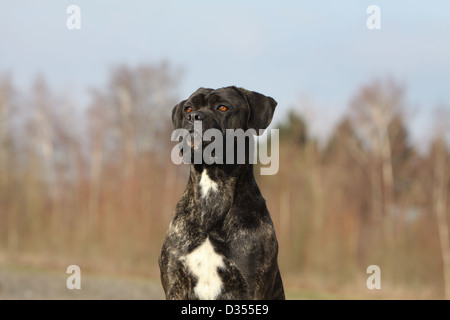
(261, 109)
(177, 114)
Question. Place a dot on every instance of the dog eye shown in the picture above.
(222, 108)
(188, 109)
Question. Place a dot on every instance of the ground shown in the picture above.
(38, 283)
(30, 283)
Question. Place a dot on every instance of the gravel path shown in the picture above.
(37, 284)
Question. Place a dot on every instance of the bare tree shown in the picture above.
(8, 220)
(41, 131)
(6, 92)
(96, 132)
(127, 126)
(440, 194)
(136, 107)
(373, 110)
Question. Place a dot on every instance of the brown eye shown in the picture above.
(222, 108)
(188, 109)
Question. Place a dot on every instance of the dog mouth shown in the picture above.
(196, 143)
(194, 140)
(199, 144)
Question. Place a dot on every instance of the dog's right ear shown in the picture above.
(177, 114)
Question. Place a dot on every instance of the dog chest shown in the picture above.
(204, 264)
(207, 185)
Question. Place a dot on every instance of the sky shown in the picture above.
(311, 56)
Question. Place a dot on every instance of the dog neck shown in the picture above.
(210, 181)
(214, 189)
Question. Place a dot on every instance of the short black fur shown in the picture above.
(235, 219)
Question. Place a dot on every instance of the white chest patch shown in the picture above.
(203, 263)
(206, 184)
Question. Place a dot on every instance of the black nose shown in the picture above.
(195, 116)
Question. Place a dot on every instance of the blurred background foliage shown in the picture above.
(95, 186)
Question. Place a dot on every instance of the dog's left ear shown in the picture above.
(261, 109)
(177, 114)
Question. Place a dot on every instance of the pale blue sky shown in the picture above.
(318, 52)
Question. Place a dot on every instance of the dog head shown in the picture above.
(224, 108)
(221, 109)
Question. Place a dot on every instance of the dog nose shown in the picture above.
(195, 116)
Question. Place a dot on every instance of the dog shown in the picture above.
(221, 243)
